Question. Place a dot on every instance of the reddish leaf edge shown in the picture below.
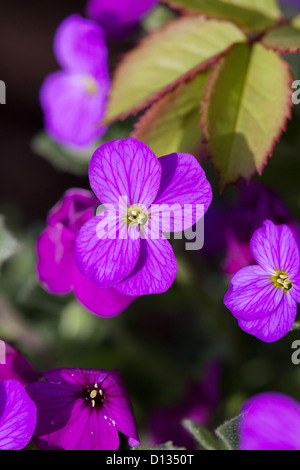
(205, 138)
(190, 74)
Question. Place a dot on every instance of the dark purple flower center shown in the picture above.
(94, 396)
(282, 281)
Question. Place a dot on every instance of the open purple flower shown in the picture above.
(82, 410)
(16, 367)
(144, 196)
(56, 265)
(74, 99)
(270, 421)
(117, 17)
(264, 297)
(197, 404)
(17, 416)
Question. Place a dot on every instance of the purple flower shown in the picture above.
(264, 297)
(144, 196)
(270, 421)
(230, 227)
(16, 367)
(56, 266)
(74, 99)
(117, 17)
(82, 410)
(199, 401)
(17, 416)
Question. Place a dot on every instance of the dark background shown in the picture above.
(26, 35)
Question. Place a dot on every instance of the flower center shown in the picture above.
(282, 281)
(94, 396)
(136, 216)
(90, 84)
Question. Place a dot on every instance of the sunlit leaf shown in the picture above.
(285, 38)
(165, 58)
(206, 439)
(172, 124)
(246, 106)
(229, 433)
(254, 15)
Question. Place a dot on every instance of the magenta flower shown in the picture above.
(197, 404)
(56, 265)
(16, 367)
(264, 297)
(270, 421)
(117, 17)
(144, 196)
(82, 410)
(74, 99)
(17, 416)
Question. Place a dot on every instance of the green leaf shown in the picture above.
(245, 109)
(172, 124)
(61, 157)
(285, 38)
(8, 244)
(253, 15)
(167, 446)
(206, 439)
(229, 433)
(165, 58)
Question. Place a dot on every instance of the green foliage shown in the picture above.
(285, 38)
(205, 439)
(225, 437)
(166, 446)
(171, 124)
(167, 57)
(253, 15)
(8, 244)
(246, 106)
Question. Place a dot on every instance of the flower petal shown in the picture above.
(80, 46)
(17, 416)
(16, 367)
(184, 194)
(73, 105)
(118, 18)
(155, 270)
(295, 291)
(103, 302)
(274, 326)
(275, 249)
(270, 421)
(252, 294)
(55, 259)
(125, 169)
(119, 405)
(74, 209)
(106, 257)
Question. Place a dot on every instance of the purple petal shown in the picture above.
(275, 249)
(125, 169)
(276, 325)
(74, 209)
(155, 270)
(270, 421)
(55, 259)
(116, 17)
(80, 46)
(16, 367)
(73, 105)
(17, 416)
(252, 294)
(185, 191)
(120, 407)
(106, 260)
(103, 302)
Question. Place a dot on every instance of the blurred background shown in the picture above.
(180, 354)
